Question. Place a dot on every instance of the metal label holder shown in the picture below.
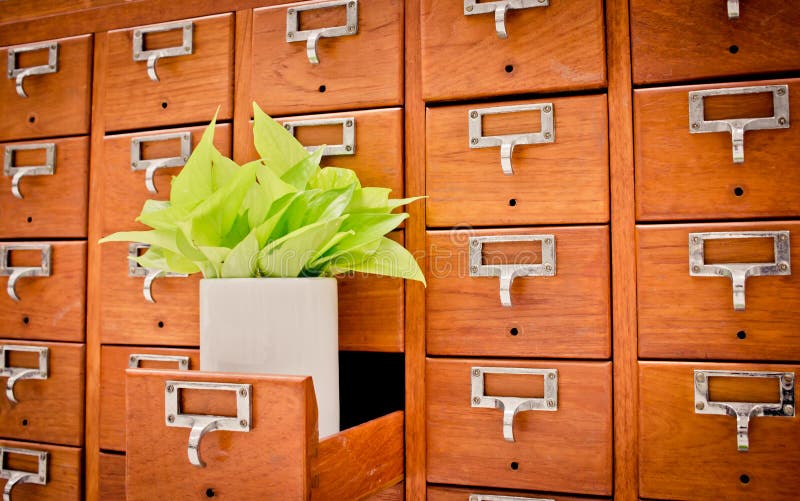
(507, 142)
(15, 477)
(311, 37)
(152, 56)
(201, 424)
(135, 270)
(18, 172)
(135, 360)
(737, 126)
(14, 273)
(19, 74)
(348, 146)
(151, 166)
(743, 411)
(508, 272)
(738, 272)
(500, 8)
(16, 374)
(512, 405)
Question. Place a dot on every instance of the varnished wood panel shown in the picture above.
(283, 431)
(114, 361)
(53, 206)
(190, 89)
(557, 47)
(680, 40)
(553, 183)
(436, 493)
(112, 477)
(124, 191)
(50, 308)
(566, 315)
(687, 317)
(49, 410)
(64, 473)
(57, 103)
(364, 70)
(684, 176)
(397, 492)
(684, 454)
(565, 450)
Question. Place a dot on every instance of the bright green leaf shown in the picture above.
(329, 178)
(287, 256)
(242, 262)
(393, 260)
(274, 144)
(304, 170)
(194, 183)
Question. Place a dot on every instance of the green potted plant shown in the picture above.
(268, 237)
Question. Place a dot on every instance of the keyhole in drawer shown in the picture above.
(741, 334)
(744, 478)
(210, 493)
(164, 105)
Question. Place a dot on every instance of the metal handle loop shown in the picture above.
(152, 56)
(500, 9)
(311, 37)
(19, 74)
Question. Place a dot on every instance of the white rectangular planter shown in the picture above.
(275, 326)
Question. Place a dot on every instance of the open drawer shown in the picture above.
(192, 435)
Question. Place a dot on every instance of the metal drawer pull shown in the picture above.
(508, 272)
(152, 56)
(733, 9)
(500, 8)
(507, 142)
(182, 360)
(743, 411)
(15, 477)
(135, 270)
(512, 405)
(15, 374)
(311, 37)
(488, 497)
(14, 273)
(17, 173)
(779, 119)
(151, 166)
(201, 423)
(738, 272)
(19, 74)
(348, 146)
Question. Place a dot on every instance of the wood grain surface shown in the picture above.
(684, 454)
(568, 450)
(364, 70)
(283, 435)
(687, 317)
(50, 308)
(397, 492)
(684, 176)
(458, 494)
(53, 206)
(58, 103)
(49, 410)
(686, 40)
(553, 183)
(462, 57)
(190, 89)
(124, 190)
(114, 361)
(563, 316)
(64, 472)
(112, 477)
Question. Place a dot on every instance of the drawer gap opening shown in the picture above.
(26, 258)
(318, 135)
(22, 359)
(162, 39)
(23, 158)
(207, 402)
(505, 253)
(758, 105)
(520, 122)
(315, 19)
(739, 250)
(514, 385)
(21, 462)
(744, 389)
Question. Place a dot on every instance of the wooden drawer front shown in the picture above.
(463, 57)
(281, 426)
(64, 472)
(377, 155)
(363, 70)
(126, 317)
(49, 409)
(455, 494)
(57, 103)
(684, 39)
(680, 175)
(565, 181)
(565, 315)
(112, 477)
(567, 450)
(682, 452)
(53, 206)
(683, 316)
(49, 307)
(123, 190)
(190, 86)
(114, 360)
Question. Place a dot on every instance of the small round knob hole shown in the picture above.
(733, 49)
(509, 68)
(741, 334)
(514, 465)
(744, 478)
(513, 331)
